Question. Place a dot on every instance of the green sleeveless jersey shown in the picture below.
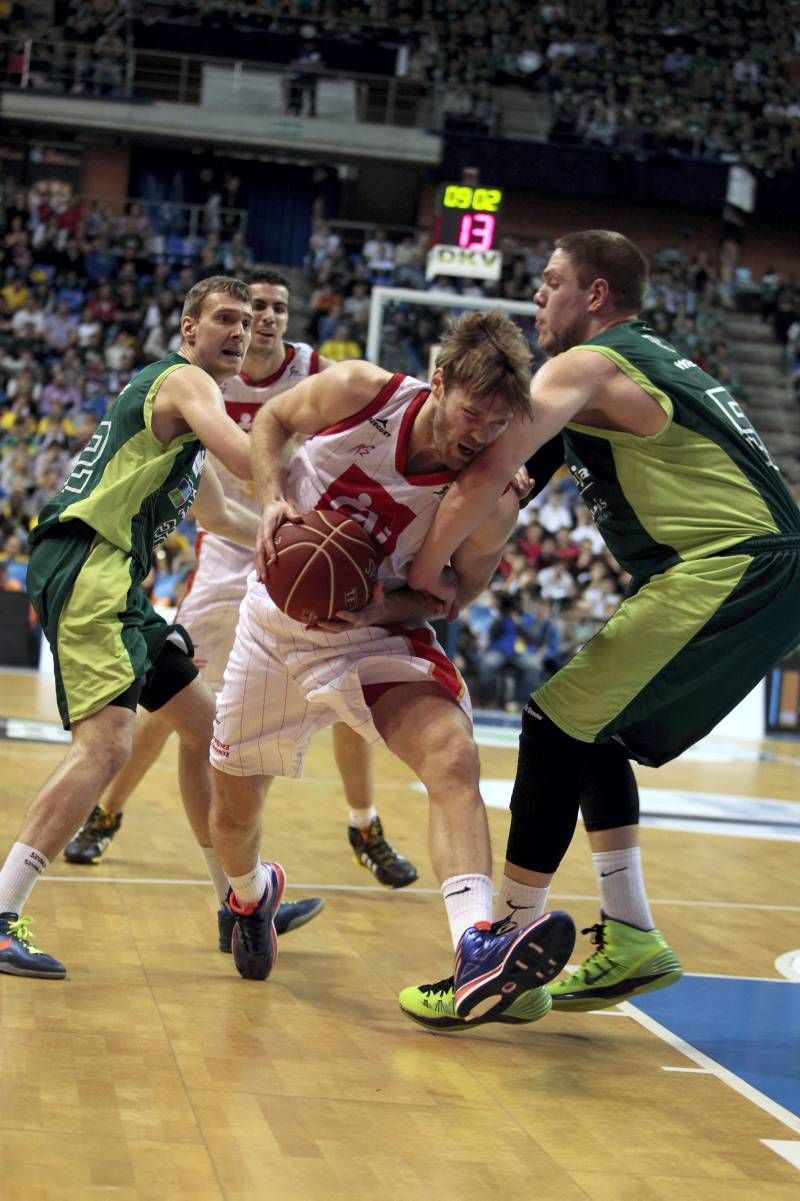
(704, 483)
(129, 487)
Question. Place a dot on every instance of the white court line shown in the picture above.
(603, 1013)
(786, 1148)
(426, 892)
(207, 884)
(725, 976)
(789, 965)
(715, 1069)
(688, 1071)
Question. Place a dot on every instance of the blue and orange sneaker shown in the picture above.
(290, 915)
(254, 941)
(493, 969)
(19, 956)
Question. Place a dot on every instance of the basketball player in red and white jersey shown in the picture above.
(383, 449)
(209, 613)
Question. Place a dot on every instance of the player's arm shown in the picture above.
(387, 608)
(560, 391)
(218, 513)
(475, 561)
(190, 398)
(315, 404)
(540, 469)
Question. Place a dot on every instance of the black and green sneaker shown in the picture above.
(371, 849)
(93, 837)
(433, 1006)
(628, 961)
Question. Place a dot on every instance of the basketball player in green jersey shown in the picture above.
(129, 488)
(209, 613)
(692, 505)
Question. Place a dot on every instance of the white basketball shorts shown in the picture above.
(284, 683)
(209, 610)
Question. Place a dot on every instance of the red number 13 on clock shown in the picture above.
(476, 231)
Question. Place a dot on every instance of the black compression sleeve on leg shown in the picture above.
(172, 672)
(544, 803)
(608, 792)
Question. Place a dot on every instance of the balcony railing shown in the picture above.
(240, 85)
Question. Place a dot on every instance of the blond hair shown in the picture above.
(197, 295)
(486, 354)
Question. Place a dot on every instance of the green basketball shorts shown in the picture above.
(102, 629)
(681, 652)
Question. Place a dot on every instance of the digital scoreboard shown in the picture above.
(466, 216)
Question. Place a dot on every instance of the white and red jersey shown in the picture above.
(210, 606)
(283, 682)
(244, 397)
(359, 467)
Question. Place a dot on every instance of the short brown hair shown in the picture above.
(486, 353)
(604, 254)
(197, 296)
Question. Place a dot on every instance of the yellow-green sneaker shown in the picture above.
(433, 1006)
(628, 961)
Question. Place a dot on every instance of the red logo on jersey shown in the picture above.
(367, 501)
(242, 412)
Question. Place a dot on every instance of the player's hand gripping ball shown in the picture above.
(325, 563)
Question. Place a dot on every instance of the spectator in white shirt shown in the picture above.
(556, 583)
(554, 512)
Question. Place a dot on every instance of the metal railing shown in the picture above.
(167, 221)
(269, 89)
(77, 69)
(168, 218)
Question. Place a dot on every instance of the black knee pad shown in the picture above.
(173, 670)
(609, 794)
(544, 803)
(557, 774)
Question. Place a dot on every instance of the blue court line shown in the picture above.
(749, 1027)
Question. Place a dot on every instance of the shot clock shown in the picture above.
(467, 216)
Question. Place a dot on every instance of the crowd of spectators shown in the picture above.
(81, 48)
(642, 77)
(87, 297)
(556, 584)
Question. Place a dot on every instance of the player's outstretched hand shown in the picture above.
(381, 610)
(522, 483)
(274, 513)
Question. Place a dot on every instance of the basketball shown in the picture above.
(325, 563)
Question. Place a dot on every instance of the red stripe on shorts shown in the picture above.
(422, 643)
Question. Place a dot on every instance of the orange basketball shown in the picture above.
(325, 563)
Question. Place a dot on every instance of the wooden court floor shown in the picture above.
(154, 1073)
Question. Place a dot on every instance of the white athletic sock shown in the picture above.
(519, 903)
(19, 873)
(361, 819)
(215, 871)
(622, 894)
(250, 888)
(467, 899)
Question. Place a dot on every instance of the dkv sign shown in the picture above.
(453, 260)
